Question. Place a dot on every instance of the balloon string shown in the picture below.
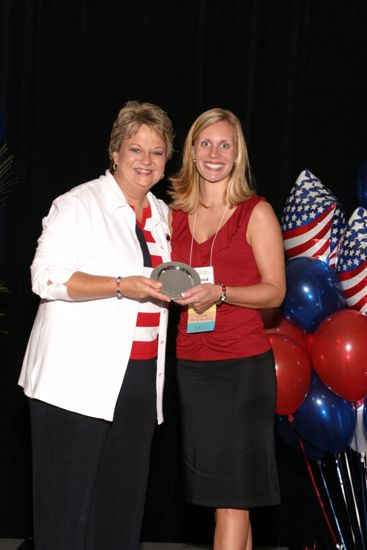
(352, 484)
(331, 503)
(364, 460)
(362, 469)
(362, 465)
(335, 541)
(342, 483)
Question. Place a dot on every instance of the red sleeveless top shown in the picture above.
(239, 331)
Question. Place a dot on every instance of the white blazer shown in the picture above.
(78, 352)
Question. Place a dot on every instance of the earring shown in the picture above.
(114, 167)
(162, 176)
(194, 160)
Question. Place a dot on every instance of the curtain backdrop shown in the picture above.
(294, 71)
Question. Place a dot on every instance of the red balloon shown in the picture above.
(339, 353)
(275, 323)
(293, 372)
(309, 342)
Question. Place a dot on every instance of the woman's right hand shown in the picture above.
(137, 287)
(83, 286)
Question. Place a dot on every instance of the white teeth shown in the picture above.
(214, 166)
(143, 170)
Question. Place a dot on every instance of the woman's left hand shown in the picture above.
(201, 297)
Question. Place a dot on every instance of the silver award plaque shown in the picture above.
(175, 277)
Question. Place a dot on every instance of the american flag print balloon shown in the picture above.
(312, 221)
(352, 261)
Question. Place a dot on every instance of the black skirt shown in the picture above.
(227, 413)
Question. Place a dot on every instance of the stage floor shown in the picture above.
(20, 544)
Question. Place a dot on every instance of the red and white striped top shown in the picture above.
(145, 344)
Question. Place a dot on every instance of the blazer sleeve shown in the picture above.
(63, 242)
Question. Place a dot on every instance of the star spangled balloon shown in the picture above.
(312, 221)
(352, 261)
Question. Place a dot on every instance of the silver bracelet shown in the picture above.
(223, 296)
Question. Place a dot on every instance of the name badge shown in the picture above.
(202, 322)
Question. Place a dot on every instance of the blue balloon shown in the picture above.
(362, 185)
(313, 292)
(324, 419)
(291, 436)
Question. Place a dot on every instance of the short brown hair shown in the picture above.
(133, 115)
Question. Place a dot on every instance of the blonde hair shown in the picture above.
(133, 115)
(185, 188)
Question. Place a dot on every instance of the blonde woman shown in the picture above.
(226, 374)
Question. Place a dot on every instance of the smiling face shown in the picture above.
(140, 162)
(214, 152)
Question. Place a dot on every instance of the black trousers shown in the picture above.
(90, 475)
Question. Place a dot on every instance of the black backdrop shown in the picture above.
(294, 71)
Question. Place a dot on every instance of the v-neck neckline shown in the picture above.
(215, 232)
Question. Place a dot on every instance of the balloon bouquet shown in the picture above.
(319, 340)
